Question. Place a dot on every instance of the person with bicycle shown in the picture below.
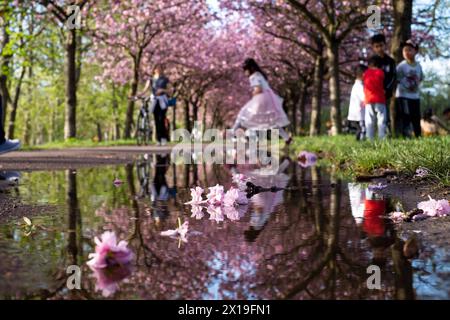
(159, 102)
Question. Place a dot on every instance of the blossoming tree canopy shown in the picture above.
(131, 36)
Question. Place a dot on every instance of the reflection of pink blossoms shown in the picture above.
(306, 159)
(181, 231)
(108, 252)
(196, 194)
(232, 213)
(197, 212)
(235, 196)
(216, 195)
(216, 213)
(240, 181)
(108, 279)
(435, 208)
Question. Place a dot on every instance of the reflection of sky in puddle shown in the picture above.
(432, 276)
(235, 253)
(224, 273)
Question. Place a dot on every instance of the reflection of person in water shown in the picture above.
(357, 196)
(380, 231)
(382, 237)
(265, 203)
(159, 188)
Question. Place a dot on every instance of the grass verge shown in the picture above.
(404, 156)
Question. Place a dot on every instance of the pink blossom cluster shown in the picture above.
(110, 263)
(109, 252)
(430, 208)
(218, 197)
(220, 203)
(435, 208)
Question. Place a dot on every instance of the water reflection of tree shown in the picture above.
(311, 247)
(318, 254)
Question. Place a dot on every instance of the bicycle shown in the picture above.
(144, 130)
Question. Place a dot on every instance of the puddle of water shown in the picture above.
(312, 241)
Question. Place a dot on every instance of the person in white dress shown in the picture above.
(265, 110)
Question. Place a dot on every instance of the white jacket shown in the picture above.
(356, 109)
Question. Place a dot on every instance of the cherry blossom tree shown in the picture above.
(132, 36)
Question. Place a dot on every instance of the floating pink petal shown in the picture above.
(179, 232)
(234, 197)
(232, 213)
(197, 212)
(117, 182)
(216, 213)
(242, 199)
(240, 181)
(109, 253)
(422, 172)
(231, 197)
(216, 195)
(435, 208)
(196, 194)
(307, 159)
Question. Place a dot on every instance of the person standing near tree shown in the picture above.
(375, 99)
(378, 43)
(409, 77)
(159, 102)
(6, 145)
(356, 110)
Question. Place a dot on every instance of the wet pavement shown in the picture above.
(314, 240)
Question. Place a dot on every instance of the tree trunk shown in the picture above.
(204, 119)
(187, 120)
(174, 118)
(335, 89)
(403, 10)
(115, 106)
(130, 108)
(12, 116)
(99, 132)
(294, 121)
(195, 113)
(130, 111)
(70, 124)
(404, 289)
(4, 72)
(302, 106)
(74, 211)
(316, 104)
(27, 131)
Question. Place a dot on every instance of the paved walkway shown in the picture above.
(73, 158)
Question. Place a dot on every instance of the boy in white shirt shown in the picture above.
(356, 111)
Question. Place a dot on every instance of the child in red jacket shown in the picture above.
(375, 99)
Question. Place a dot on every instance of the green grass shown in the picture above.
(78, 143)
(405, 156)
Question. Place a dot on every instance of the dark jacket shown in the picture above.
(390, 75)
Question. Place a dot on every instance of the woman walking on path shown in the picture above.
(265, 110)
(159, 103)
